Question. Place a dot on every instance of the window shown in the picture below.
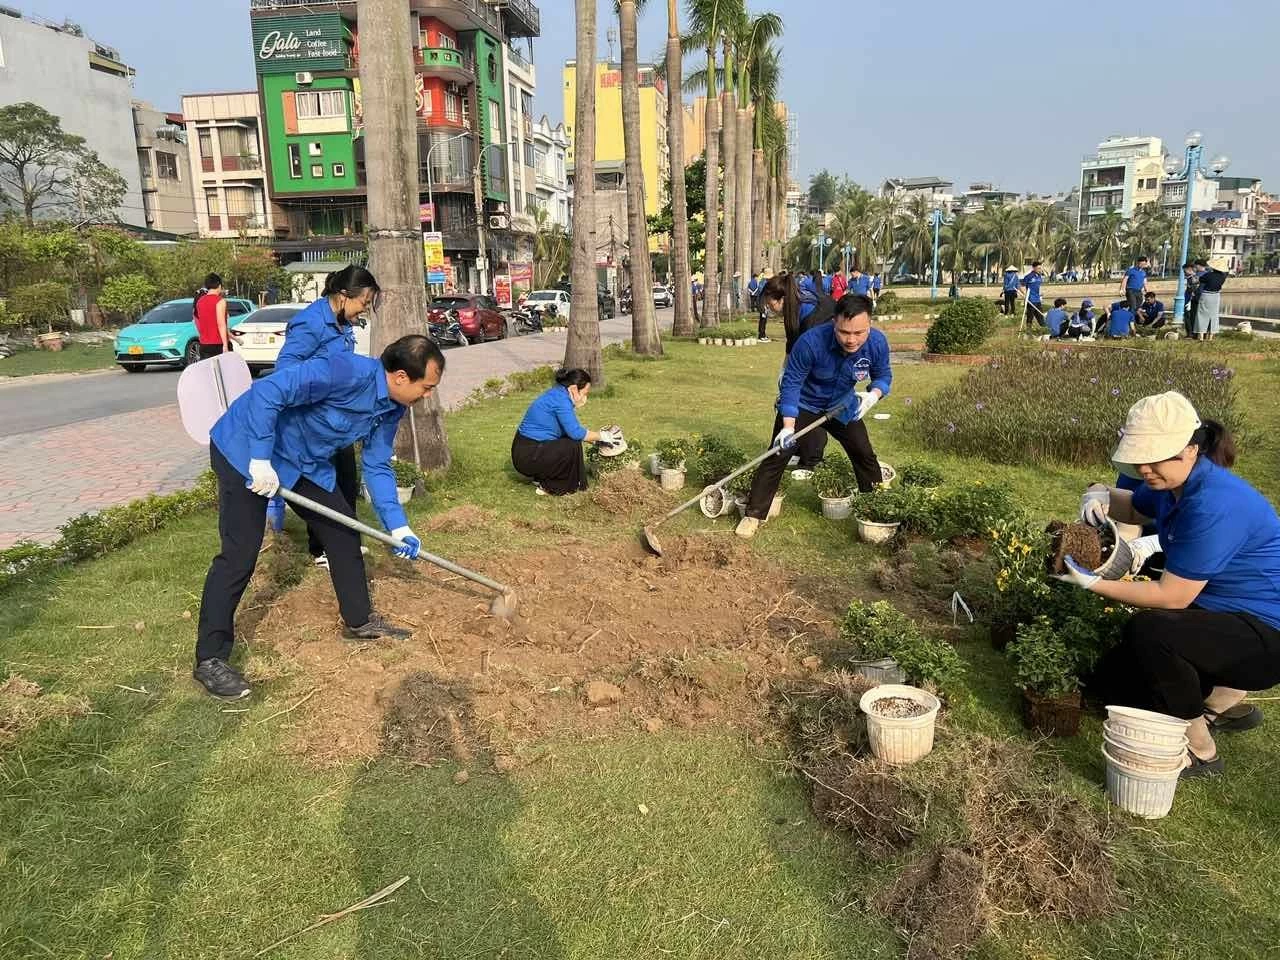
(212, 203)
(317, 171)
(453, 110)
(466, 112)
(206, 143)
(295, 161)
(493, 68)
(526, 103)
(314, 149)
(236, 308)
(320, 103)
(495, 120)
(144, 162)
(512, 97)
(167, 166)
(528, 154)
(445, 42)
(339, 169)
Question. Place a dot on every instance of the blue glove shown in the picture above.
(1077, 575)
(412, 545)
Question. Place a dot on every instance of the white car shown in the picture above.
(662, 296)
(260, 338)
(540, 299)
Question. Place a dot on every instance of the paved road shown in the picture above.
(80, 442)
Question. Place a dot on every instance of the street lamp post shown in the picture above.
(936, 217)
(819, 247)
(1189, 167)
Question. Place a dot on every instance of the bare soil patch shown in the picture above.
(459, 520)
(24, 705)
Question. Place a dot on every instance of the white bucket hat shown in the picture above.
(1157, 428)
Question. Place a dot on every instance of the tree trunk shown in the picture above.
(395, 236)
(729, 127)
(644, 325)
(781, 186)
(759, 202)
(583, 346)
(742, 215)
(682, 325)
(711, 261)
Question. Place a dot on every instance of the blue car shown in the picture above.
(166, 335)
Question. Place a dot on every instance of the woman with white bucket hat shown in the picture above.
(1209, 629)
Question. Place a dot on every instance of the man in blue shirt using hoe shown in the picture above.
(1032, 282)
(1135, 284)
(1151, 313)
(823, 371)
(285, 431)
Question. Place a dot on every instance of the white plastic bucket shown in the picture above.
(900, 740)
(404, 494)
(836, 508)
(1144, 793)
(655, 465)
(672, 479)
(715, 504)
(871, 532)
(879, 671)
(1141, 757)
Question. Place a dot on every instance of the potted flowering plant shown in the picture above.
(1047, 661)
(1018, 550)
(673, 453)
(879, 514)
(836, 485)
(408, 476)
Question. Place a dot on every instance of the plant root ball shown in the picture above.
(1078, 540)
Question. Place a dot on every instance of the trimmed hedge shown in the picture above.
(963, 326)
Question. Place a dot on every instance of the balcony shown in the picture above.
(454, 65)
(521, 18)
(546, 180)
(241, 162)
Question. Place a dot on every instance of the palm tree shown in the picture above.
(882, 213)
(850, 225)
(729, 137)
(1040, 222)
(682, 325)
(1105, 239)
(956, 245)
(754, 44)
(998, 225)
(644, 326)
(1067, 248)
(915, 233)
(582, 348)
(550, 249)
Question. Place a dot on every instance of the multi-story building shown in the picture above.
(980, 194)
(655, 160)
(551, 183)
(84, 84)
(1173, 194)
(224, 144)
(306, 54)
(521, 22)
(1123, 175)
(935, 189)
(168, 198)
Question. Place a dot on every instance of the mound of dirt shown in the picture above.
(938, 904)
(459, 520)
(23, 705)
(700, 636)
(628, 492)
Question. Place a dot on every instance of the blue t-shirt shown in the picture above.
(1135, 278)
(860, 284)
(1121, 320)
(1224, 532)
(1011, 281)
(1032, 282)
(1055, 320)
(1082, 320)
(552, 416)
(876, 283)
(1152, 310)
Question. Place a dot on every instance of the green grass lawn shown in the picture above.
(161, 825)
(73, 358)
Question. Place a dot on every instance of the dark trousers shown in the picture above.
(1010, 298)
(344, 463)
(556, 465)
(1075, 333)
(1134, 299)
(852, 436)
(809, 450)
(1189, 315)
(1033, 314)
(241, 518)
(1169, 660)
(764, 321)
(208, 350)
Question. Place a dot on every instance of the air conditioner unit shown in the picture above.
(498, 222)
(303, 77)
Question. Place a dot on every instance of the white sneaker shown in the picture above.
(747, 527)
(801, 474)
(763, 340)
(793, 462)
(537, 488)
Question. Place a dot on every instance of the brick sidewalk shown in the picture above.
(48, 477)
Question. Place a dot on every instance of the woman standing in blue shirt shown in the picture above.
(1209, 629)
(326, 329)
(548, 443)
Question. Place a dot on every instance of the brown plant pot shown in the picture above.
(1052, 716)
(959, 359)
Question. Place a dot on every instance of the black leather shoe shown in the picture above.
(376, 629)
(221, 679)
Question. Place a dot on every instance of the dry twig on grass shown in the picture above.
(375, 900)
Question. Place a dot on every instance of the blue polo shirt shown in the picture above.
(876, 283)
(1082, 319)
(299, 417)
(1011, 281)
(314, 332)
(1224, 532)
(1135, 278)
(1121, 320)
(860, 284)
(1152, 310)
(1055, 320)
(819, 374)
(1032, 282)
(552, 417)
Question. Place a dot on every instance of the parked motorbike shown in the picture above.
(448, 332)
(526, 320)
(624, 301)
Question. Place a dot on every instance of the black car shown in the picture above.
(605, 303)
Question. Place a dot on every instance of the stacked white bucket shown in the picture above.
(1145, 753)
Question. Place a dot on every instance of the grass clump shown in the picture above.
(963, 326)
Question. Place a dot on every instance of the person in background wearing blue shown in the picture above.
(1081, 325)
(1010, 289)
(326, 328)
(824, 370)
(876, 284)
(547, 447)
(756, 289)
(285, 430)
(1119, 321)
(1134, 284)
(1056, 319)
(1208, 629)
(1151, 313)
(1032, 282)
(859, 282)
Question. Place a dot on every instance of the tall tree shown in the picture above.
(644, 325)
(728, 178)
(823, 187)
(915, 232)
(753, 41)
(764, 84)
(682, 324)
(583, 346)
(955, 252)
(1105, 239)
(395, 239)
(1001, 231)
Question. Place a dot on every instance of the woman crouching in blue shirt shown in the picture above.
(1210, 629)
(548, 443)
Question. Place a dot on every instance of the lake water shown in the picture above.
(1251, 304)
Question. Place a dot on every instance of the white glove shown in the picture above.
(610, 437)
(865, 402)
(1143, 549)
(1095, 505)
(262, 478)
(1077, 575)
(411, 544)
(786, 438)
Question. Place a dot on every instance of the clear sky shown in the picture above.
(1009, 92)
